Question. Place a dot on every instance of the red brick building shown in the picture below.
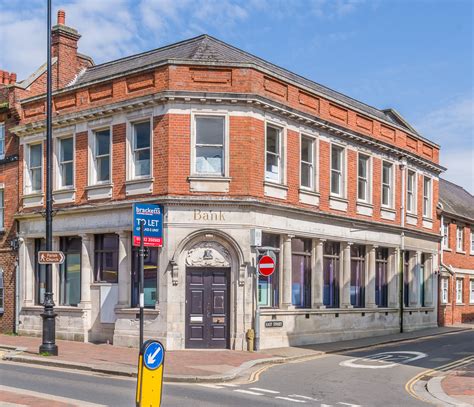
(456, 282)
(246, 158)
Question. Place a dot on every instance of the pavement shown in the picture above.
(456, 387)
(187, 365)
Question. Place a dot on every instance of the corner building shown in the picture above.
(230, 145)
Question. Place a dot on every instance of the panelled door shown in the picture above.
(207, 307)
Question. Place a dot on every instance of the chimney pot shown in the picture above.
(13, 78)
(61, 17)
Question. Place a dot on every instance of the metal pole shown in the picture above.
(257, 313)
(402, 287)
(141, 284)
(49, 322)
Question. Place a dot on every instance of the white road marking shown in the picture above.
(290, 399)
(253, 393)
(211, 386)
(264, 390)
(303, 397)
(229, 385)
(381, 360)
(349, 404)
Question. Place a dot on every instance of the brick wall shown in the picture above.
(454, 313)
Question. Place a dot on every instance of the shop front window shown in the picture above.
(421, 279)
(331, 274)
(150, 277)
(40, 273)
(357, 275)
(381, 274)
(406, 275)
(268, 292)
(301, 272)
(70, 271)
(106, 258)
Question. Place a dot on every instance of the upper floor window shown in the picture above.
(459, 238)
(34, 173)
(2, 140)
(273, 154)
(427, 197)
(337, 170)
(209, 145)
(472, 240)
(363, 178)
(307, 162)
(411, 191)
(66, 162)
(445, 235)
(2, 209)
(387, 184)
(102, 156)
(141, 149)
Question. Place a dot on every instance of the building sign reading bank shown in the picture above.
(152, 216)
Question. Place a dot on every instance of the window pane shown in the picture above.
(268, 287)
(301, 281)
(336, 156)
(142, 162)
(357, 275)
(67, 147)
(210, 130)
(150, 277)
(35, 155)
(209, 160)
(102, 142)
(270, 240)
(386, 173)
(362, 190)
(363, 166)
(142, 135)
(335, 182)
(273, 140)
(273, 167)
(36, 179)
(306, 175)
(67, 174)
(307, 149)
(385, 195)
(103, 169)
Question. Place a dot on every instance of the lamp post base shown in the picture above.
(49, 327)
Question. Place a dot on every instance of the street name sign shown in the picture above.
(152, 216)
(266, 265)
(150, 374)
(50, 257)
(273, 324)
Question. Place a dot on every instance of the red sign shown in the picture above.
(266, 266)
(148, 241)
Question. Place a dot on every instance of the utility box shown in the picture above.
(255, 237)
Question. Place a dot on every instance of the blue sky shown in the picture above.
(413, 55)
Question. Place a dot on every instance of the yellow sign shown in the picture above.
(150, 374)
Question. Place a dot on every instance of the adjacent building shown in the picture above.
(246, 158)
(456, 282)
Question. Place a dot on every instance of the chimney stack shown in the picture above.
(7, 78)
(61, 17)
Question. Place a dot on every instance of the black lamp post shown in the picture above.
(49, 316)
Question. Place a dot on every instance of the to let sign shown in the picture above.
(55, 257)
(152, 216)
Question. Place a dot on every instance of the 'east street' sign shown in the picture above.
(55, 257)
(152, 215)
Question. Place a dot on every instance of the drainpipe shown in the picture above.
(403, 164)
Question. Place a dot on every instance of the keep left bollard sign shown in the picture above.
(150, 374)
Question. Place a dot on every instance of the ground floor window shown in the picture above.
(459, 291)
(357, 275)
(268, 292)
(70, 271)
(406, 278)
(444, 290)
(40, 273)
(106, 258)
(421, 279)
(150, 277)
(331, 274)
(301, 272)
(471, 291)
(381, 274)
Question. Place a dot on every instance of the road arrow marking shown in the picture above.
(151, 358)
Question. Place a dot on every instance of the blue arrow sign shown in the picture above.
(153, 355)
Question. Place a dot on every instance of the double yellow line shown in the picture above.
(431, 372)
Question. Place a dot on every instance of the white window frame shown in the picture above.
(444, 290)
(428, 199)
(472, 240)
(92, 156)
(460, 238)
(58, 172)
(391, 186)
(131, 150)
(341, 172)
(27, 170)
(411, 173)
(471, 291)
(445, 241)
(225, 147)
(280, 155)
(2, 140)
(368, 179)
(459, 289)
(313, 164)
(2, 207)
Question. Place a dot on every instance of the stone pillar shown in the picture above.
(393, 277)
(87, 260)
(287, 272)
(413, 283)
(428, 279)
(317, 280)
(124, 271)
(346, 275)
(370, 283)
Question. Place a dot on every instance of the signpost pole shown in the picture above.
(48, 345)
(142, 279)
(257, 313)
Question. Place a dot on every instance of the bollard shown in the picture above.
(250, 340)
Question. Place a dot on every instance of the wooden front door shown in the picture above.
(207, 307)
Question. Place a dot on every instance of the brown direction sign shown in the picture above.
(53, 257)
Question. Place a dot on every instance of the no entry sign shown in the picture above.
(266, 266)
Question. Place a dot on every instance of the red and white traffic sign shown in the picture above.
(266, 266)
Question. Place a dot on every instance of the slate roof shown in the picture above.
(456, 200)
(205, 48)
